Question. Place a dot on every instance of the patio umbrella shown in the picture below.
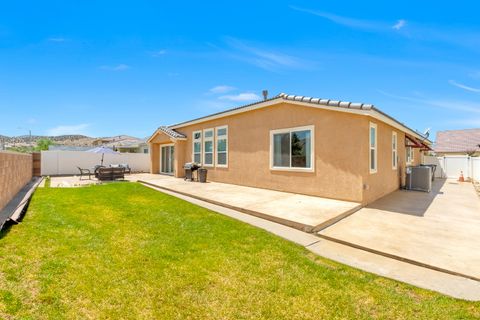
(102, 150)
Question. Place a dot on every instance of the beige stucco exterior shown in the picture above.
(341, 152)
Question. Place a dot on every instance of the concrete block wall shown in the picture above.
(15, 173)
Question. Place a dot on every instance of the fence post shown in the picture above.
(36, 164)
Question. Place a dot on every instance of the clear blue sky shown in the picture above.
(126, 67)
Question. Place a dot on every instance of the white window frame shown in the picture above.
(394, 150)
(370, 148)
(205, 140)
(193, 144)
(312, 149)
(216, 146)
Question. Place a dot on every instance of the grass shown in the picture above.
(123, 251)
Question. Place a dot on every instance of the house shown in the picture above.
(114, 141)
(123, 143)
(334, 149)
(458, 142)
(133, 147)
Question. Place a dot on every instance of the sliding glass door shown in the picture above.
(166, 159)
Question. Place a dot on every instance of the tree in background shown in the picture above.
(43, 144)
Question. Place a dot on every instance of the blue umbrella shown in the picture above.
(102, 150)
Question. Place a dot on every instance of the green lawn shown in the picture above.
(123, 251)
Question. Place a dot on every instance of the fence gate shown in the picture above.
(37, 164)
(452, 166)
(475, 168)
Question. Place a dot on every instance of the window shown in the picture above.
(409, 156)
(292, 149)
(197, 147)
(208, 147)
(394, 150)
(145, 150)
(373, 147)
(221, 159)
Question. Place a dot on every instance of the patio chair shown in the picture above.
(85, 172)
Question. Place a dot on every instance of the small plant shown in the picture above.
(47, 182)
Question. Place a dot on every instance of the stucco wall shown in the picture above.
(15, 172)
(386, 179)
(341, 153)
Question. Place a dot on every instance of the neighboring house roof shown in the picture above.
(337, 105)
(132, 145)
(117, 140)
(458, 140)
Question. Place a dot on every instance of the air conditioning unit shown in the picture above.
(419, 178)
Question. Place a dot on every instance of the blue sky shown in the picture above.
(104, 68)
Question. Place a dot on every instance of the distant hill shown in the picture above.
(62, 140)
(70, 140)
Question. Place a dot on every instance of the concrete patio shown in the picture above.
(70, 181)
(439, 229)
(303, 212)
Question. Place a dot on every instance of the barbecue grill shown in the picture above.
(190, 168)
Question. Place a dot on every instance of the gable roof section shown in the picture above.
(336, 105)
(172, 133)
(458, 140)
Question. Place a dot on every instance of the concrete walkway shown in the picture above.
(447, 284)
(302, 212)
(439, 229)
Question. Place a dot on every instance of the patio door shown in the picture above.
(166, 159)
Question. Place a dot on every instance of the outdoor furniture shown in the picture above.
(122, 165)
(190, 168)
(102, 150)
(95, 169)
(109, 173)
(85, 172)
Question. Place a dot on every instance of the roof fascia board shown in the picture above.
(228, 113)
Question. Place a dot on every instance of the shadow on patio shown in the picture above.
(414, 203)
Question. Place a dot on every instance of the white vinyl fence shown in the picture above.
(451, 166)
(66, 162)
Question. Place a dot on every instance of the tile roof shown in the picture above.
(327, 102)
(172, 133)
(457, 140)
(284, 96)
(334, 104)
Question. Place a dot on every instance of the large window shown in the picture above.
(292, 149)
(197, 147)
(221, 159)
(394, 151)
(373, 147)
(208, 147)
